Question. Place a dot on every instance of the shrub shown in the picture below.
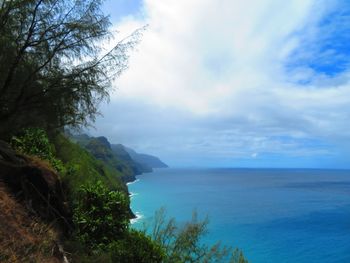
(136, 247)
(101, 216)
(35, 142)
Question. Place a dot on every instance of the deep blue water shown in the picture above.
(273, 215)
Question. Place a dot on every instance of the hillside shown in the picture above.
(146, 159)
(119, 157)
(24, 237)
(83, 167)
(58, 201)
(139, 168)
(100, 148)
(34, 210)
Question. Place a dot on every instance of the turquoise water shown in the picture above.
(274, 215)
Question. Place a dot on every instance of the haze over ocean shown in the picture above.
(284, 215)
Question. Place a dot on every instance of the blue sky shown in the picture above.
(118, 9)
(243, 83)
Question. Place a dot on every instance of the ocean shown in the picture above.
(273, 215)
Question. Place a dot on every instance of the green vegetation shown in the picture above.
(100, 215)
(102, 226)
(52, 71)
(101, 149)
(136, 247)
(83, 168)
(101, 205)
(120, 152)
(34, 142)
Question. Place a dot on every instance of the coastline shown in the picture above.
(136, 215)
(132, 182)
(137, 218)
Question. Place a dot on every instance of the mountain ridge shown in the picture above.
(147, 159)
(119, 157)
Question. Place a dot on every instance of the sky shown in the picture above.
(233, 83)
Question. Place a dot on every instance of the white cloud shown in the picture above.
(209, 79)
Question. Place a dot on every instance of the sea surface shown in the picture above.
(273, 215)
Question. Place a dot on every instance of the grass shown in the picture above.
(23, 237)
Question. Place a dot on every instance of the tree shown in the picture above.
(53, 71)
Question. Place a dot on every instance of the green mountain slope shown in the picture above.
(101, 149)
(119, 150)
(146, 159)
(83, 167)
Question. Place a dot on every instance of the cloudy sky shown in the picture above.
(239, 83)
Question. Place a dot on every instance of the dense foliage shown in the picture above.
(100, 215)
(35, 142)
(136, 247)
(52, 71)
(101, 218)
